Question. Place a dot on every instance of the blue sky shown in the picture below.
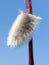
(19, 56)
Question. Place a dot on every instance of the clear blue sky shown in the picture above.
(19, 56)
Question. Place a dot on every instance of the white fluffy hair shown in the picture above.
(22, 29)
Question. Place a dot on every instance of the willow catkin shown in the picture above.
(22, 29)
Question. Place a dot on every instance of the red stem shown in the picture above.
(28, 6)
(29, 11)
(31, 59)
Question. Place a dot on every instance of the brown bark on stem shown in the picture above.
(29, 11)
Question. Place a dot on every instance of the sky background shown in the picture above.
(19, 56)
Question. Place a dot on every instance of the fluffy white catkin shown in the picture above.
(22, 29)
